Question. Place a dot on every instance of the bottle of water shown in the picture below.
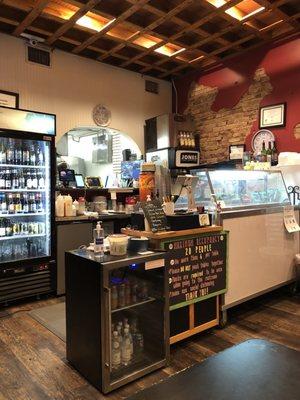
(126, 348)
(127, 326)
(116, 351)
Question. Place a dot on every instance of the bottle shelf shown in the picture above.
(22, 190)
(149, 300)
(21, 215)
(2, 238)
(22, 166)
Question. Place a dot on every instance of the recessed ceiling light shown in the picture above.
(196, 59)
(170, 49)
(92, 23)
(271, 25)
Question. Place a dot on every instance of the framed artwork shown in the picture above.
(236, 151)
(272, 116)
(9, 99)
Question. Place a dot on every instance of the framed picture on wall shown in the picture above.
(9, 99)
(236, 151)
(272, 116)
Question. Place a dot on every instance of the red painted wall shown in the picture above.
(282, 65)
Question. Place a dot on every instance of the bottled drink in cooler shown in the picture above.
(25, 155)
(10, 159)
(126, 348)
(116, 351)
(2, 153)
(18, 154)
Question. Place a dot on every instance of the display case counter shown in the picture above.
(117, 316)
(261, 251)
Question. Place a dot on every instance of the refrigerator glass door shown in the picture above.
(135, 327)
(25, 199)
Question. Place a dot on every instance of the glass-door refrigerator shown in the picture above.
(27, 158)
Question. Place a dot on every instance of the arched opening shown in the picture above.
(98, 151)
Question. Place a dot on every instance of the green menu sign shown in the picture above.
(197, 268)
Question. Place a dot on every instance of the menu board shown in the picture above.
(155, 215)
(197, 268)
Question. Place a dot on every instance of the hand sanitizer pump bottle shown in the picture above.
(99, 240)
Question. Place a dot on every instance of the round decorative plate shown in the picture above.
(101, 115)
(263, 135)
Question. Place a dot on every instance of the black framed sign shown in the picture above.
(197, 268)
(272, 116)
(9, 99)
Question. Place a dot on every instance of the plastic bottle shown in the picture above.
(59, 206)
(127, 326)
(68, 206)
(76, 205)
(116, 351)
(126, 348)
(99, 240)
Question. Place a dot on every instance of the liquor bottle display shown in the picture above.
(186, 140)
(24, 199)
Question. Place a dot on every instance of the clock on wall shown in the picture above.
(263, 135)
(101, 115)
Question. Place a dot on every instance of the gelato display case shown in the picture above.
(261, 251)
(238, 189)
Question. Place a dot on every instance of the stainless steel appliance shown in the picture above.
(27, 165)
(164, 130)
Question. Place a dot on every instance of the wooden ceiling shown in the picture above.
(160, 38)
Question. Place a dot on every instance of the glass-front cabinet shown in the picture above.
(135, 322)
(238, 189)
(25, 199)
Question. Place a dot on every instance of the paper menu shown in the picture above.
(290, 221)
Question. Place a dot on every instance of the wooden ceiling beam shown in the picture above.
(76, 43)
(33, 14)
(201, 32)
(270, 6)
(72, 21)
(149, 28)
(269, 40)
(137, 5)
(237, 25)
(195, 25)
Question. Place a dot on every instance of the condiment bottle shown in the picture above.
(59, 206)
(99, 240)
(68, 206)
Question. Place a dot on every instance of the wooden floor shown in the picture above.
(33, 364)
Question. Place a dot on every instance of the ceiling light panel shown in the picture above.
(170, 49)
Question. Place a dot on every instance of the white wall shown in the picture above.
(74, 85)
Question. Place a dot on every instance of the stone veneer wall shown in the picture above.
(219, 129)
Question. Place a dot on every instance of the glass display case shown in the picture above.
(120, 331)
(238, 189)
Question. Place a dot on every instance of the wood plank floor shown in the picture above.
(33, 364)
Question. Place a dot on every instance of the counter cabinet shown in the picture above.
(197, 276)
(102, 297)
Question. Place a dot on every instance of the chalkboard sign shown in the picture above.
(197, 268)
(155, 215)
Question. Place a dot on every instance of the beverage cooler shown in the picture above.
(27, 157)
(117, 316)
